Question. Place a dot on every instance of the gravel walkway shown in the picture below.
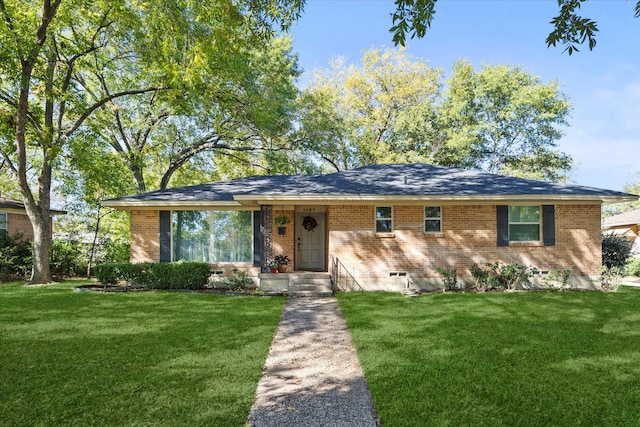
(312, 376)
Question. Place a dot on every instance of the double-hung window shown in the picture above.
(384, 219)
(524, 224)
(432, 219)
(4, 229)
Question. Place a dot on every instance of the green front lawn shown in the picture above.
(149, 358)
(508, 359)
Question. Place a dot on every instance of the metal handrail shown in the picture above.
(341, 278)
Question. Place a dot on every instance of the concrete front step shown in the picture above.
(298, 283)
(310, 290)
(410, 292)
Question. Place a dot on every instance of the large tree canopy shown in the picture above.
(395, 108)
(414, 17)
(49, 85)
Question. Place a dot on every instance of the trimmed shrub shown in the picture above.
(111, 273)
(615, 250)
(175, 275)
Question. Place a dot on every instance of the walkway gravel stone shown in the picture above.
(312, 376)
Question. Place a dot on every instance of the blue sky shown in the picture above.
(603, 85)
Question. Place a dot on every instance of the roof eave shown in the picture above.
(328, 198)
(254, 200)
(154, 204)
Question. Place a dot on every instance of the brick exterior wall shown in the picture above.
(285, 244)
(17, 223)
(468, 236)
(145, 235)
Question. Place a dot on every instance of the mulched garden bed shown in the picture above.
(100, 287)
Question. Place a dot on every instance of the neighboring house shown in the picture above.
(627, 225)
(386, 224)
(14, 219)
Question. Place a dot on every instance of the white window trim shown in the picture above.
(538, 223)
(376, 219)
(425, 219)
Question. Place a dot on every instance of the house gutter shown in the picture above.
(255, 200)
(367, 198)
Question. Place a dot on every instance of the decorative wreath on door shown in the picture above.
(309, 223)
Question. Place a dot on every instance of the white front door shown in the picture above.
(310, 241)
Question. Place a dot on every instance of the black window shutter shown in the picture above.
(165, 236)
(257, 239)
(549, 225)
(502, 213)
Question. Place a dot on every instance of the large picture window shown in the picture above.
(4, 229)
(384, 219)
(212, 236)
(432, 219)
(524, 223)
(232, 236)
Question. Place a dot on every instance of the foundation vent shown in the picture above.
(397, 274)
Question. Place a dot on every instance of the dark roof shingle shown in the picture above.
(376, 180)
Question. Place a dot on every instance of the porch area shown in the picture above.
(297, 283)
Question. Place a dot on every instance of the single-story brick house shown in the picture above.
(386, 224)
(14, 219)
(627, 225)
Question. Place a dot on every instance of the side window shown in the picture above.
(384, 219)
(432, 219)
(524, 223)
(4, 226)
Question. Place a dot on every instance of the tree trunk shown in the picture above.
(41, 272)
(93, 243)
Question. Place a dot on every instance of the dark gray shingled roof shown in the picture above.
(19, 206)
(402, 180)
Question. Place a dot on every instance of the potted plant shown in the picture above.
(283, 262)
(273, 265)
(281, 221)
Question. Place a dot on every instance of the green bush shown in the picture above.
(16, 257)
(632, 268)
(116, 251)
(111, 273)
(240, 280)
(610, 278)
(67, 258)
(615, 250)
(450, 278)
(498, 276)
(176, 275)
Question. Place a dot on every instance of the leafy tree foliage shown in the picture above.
(383, 112)
(500, 119)
(414, 17)
(246, 106)
(49, 87)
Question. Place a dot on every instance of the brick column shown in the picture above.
(266, 213)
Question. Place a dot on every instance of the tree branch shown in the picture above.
(103, 101)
